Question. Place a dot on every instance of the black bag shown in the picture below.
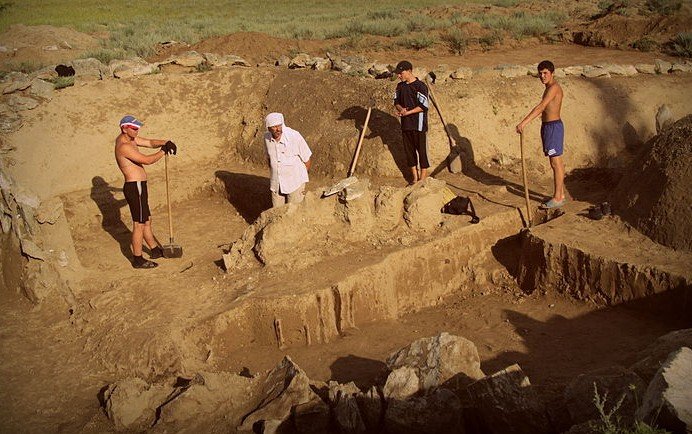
(461, 205)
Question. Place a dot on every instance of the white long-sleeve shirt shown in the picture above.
(287, 158)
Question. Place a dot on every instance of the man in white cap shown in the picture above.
(288, 156)
(131, 162)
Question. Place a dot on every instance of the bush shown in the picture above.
(105, 56)
(62, 82)
(417, 42)
(644, 44)
(613, 6)
(610, 421)
(682, 45)
(457, 40)
(494, 37)
(664, 7)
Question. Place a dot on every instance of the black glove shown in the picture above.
(169, 148)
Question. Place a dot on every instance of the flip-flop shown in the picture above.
(552, 203)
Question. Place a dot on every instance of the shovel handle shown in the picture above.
(523, 174)
(360, 143)
(168, 201)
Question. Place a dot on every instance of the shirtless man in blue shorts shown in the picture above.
(131, 162)
(552, 130)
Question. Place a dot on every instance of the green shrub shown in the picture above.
(610, 421)
(417, 42)
(682, 45)
(494, 37)
(644, 44)
(62, 82)
(505, 3)
(613, 6)
(105, 55)
(664, 7)
(457, 40)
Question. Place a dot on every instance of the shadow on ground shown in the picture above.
(249, 194)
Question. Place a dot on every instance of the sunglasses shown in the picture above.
(133, 128)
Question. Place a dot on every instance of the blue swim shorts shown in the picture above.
(553, 137)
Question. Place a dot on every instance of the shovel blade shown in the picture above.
(172, 251)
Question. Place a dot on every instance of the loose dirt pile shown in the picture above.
(654, 195)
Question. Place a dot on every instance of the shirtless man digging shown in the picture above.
(131, 161)
(552, 130)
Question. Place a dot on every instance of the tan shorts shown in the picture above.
(297, 196)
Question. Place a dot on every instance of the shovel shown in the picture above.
(170, 250)
(454, 160)
(351, 170)
(526, 186)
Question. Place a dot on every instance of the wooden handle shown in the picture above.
(526, 186)
(360, 142)
(168, 201)
(439, 112)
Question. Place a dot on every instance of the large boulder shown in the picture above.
(505, 402)
(438, 412)
(284, 387)
(654, 194)
(652, 357)
(668, 399)
(131, 403)
(440, 359)
(613, 384)
(422, 206)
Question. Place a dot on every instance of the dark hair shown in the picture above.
(546, 64)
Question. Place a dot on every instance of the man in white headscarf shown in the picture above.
(288, 156)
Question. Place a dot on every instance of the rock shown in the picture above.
(401, 383)
(321, 64)
(49, 211)
(10, 122)
(311, 417)
(190, 59)
(380, 70)
(132, 67)
(505, 402)
(462, 73)
(652, 357)
(371, 408)
(574, 70)
(347, 415)
(30, 249)
(50, 48)
(91, 68)
(301, 60)
(423, 203)
(41, 89)
(661, 66)
(282, 61)
(46, 73)
(668, 399)
(444, 358)
(131, 404)
(595, 71)
(680, 67)
(664, 118)
(15, 81)
(233, 60)
(19, 102)
(65, 45)
(644, 68)
(439, 412)
(283, 388)
(584, 427)
(513, 71)
(338, 64)
(626, 70)
(214, 59)
(612, 382)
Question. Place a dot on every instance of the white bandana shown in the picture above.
(274, 119)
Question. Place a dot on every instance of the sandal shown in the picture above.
(145, 264)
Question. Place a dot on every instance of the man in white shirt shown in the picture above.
(288, 156)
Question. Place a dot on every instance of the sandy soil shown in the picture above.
(57, 358)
